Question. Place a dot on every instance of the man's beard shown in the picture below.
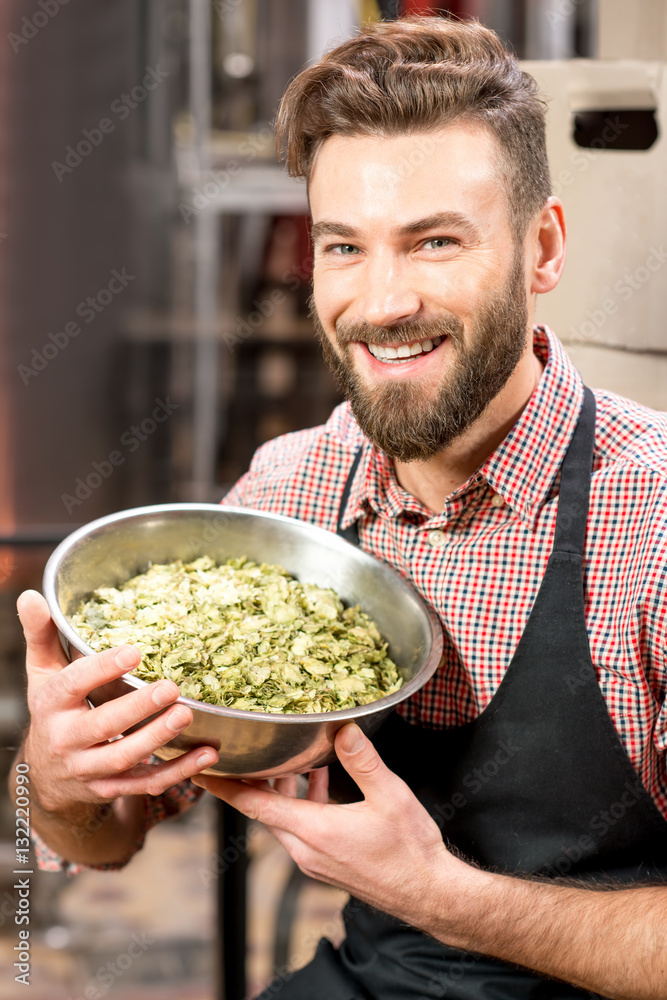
(400, 417)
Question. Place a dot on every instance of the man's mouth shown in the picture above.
(404, 352)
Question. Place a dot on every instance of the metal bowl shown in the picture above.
(112, 549)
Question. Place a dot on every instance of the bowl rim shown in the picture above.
(69, 637)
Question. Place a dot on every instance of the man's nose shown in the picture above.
(389, 295)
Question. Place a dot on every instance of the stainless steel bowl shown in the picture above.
(109, 551)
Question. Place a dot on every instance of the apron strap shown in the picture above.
(351, 533)
(575, 482)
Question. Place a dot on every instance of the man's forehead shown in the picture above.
(413, 175)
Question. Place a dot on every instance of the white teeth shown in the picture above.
(389, 354)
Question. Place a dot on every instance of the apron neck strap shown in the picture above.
(575, 482)
(351, 533)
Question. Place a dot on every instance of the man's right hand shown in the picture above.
(71, 761)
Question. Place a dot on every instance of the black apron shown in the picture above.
(539, 783)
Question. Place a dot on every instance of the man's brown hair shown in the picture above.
(417, 74)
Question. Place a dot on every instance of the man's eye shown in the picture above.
(440, 242)
(346, 249)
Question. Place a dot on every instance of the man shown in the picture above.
(529, 775)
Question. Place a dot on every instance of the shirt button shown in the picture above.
(436, 538)
(497, 500)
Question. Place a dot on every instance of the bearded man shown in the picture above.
(511, 835)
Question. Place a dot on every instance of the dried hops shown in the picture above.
(243, 635)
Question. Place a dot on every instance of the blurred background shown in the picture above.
(154, 272)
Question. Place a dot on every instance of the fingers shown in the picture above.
(44, 651)
(153, 779)
(72, 685)
(363, 763)
(128, 752)
(268, 808)
(286, 786)
(117, 716)
(318, 785)
(259, 804)
(264, 783)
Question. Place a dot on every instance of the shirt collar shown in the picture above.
(522, 469)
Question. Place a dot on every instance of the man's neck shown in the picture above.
(432, 481)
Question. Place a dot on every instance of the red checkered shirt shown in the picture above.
(480, 562)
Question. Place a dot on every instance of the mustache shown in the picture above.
(403, 333)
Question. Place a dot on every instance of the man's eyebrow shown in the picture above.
(321, 229)
(441, 220)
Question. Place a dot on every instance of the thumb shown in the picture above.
(44, 654)
(362, 762)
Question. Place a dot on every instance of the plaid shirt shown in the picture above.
(480, 562)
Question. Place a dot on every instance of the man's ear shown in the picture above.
(546, 246)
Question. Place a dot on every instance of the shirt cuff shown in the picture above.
(172, 802)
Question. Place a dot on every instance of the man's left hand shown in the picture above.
(386, 849)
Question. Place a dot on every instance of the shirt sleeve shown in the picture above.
(273, 463)
(172, 802)
(236, 496)
(239, 494)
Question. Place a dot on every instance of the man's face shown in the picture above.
(413, 251)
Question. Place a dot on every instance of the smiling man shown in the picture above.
(510, 835)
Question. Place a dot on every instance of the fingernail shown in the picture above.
(127, 658)
(178, 719)
(163, 694)
(352, 739)
(205, 759)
